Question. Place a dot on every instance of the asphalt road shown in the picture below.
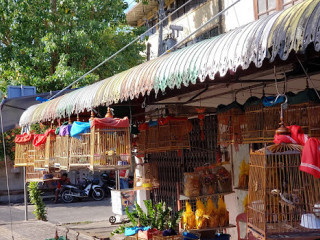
(62, 213)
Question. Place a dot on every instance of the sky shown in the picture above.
(131, 3)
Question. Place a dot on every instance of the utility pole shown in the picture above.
(161, 17)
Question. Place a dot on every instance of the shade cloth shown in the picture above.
(291, 30)
(78, 128)
(24, 138)
(110, 122)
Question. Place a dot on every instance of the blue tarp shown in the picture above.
(78, 128)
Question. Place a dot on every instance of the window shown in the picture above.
(152, 22)
(208, 34)
(178, 3)
(267, 7)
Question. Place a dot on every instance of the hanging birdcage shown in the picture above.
(280, 195)
(173, 134)
(142, 138)
(253, 108)
(24, 150)
(231, 123)
(281, 198)
(153, 137)
(304, 110)
(110, 143)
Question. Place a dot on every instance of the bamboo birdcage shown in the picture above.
(304, 110)
(24, 154)
(110, 148)
(279, 193)
(231, 123)
(50, 151)
(79, 152)
(253, 121)
(174, 134)
(39, 158)
(153, 139)
(61, 152)
(33, 175)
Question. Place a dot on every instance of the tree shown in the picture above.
(49, 44)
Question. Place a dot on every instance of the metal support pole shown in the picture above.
(161, 17)
(25, 195)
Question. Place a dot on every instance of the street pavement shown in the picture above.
(89, 218)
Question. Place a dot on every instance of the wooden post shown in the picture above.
(26, 217)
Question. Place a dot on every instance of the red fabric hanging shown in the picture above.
(110, 122)
(296, 136)
(310, 161)
(40, 139)
(24, 138)
(143, 126)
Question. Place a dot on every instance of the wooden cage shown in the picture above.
(142, 139)
(253, 121)
(39, 157)
(153, 139)
(174, 134)
(231, 124)
(110, 147)
(79, 152)
(61, 152)
(50, 151)
(33, 175)
(24, 149)
(280, 195)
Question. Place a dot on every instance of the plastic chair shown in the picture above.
(242, 217)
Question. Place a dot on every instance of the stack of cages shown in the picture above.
(110, 145)
(281, 197)
(253, 108)
(231, 124)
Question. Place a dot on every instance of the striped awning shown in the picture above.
(292, 29)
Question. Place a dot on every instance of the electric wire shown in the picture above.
(6, 166)
(119, 51)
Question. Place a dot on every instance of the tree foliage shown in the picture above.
(49, 44)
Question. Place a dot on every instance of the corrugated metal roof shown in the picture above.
(278, 34)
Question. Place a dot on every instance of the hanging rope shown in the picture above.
(6, 166)
(308, 77)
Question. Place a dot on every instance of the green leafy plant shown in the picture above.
(9, 138)
(158, 216)
(35, 198)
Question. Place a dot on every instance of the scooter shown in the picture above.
(88, 188)
(108, 184)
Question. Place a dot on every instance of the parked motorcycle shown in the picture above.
(88, 188)
(108, 184)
